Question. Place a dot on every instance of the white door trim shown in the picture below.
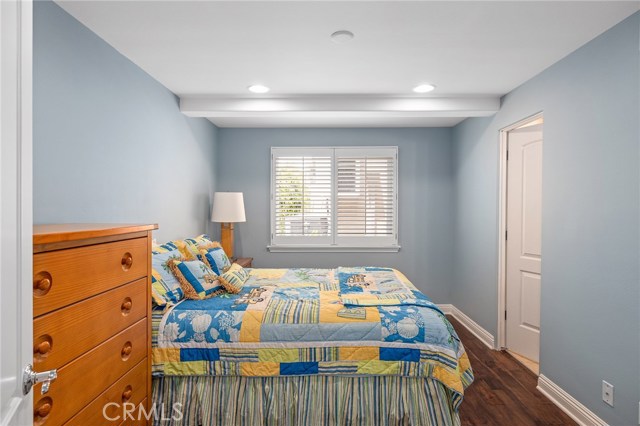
(17, 225)
(501, 340)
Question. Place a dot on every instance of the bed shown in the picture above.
(309, 347)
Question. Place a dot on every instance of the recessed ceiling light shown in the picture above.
(258, 88)
(342, 36)
(424, 88)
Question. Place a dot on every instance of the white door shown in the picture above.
(524, 225)
(16, 224)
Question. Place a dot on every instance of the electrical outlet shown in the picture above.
(607, 393)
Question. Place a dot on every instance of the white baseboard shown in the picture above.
(475, 328)
(574, 409)
(446, 308)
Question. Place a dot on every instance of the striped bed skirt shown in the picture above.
(302, 400)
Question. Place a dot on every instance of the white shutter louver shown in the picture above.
(342, 197)
(302, 205)
(365, 196)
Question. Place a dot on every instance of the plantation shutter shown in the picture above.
(339, 197)
(302, 194)
(366, 197)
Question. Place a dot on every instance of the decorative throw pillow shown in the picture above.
(194, 245)
(185, 250)
(234, 278)
(216, 258)
(161, 293)
(197, 280)
(165, 288)
(164, 248)
(189, 248)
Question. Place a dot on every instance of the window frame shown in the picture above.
(333, 243)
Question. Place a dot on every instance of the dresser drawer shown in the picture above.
(80, 381)
(119, 399)
(66, 276)
(62, 335)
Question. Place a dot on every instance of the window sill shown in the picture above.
(283, 248)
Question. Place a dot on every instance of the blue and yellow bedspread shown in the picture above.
(345, 321)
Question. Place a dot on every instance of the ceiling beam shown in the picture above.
(338, 106)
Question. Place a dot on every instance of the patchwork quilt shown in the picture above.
(344, 321)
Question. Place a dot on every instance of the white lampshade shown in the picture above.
(228, 207)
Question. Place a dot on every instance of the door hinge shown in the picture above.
(506, 234)
(507, 155)
(505, 314)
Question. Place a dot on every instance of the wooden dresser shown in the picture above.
(92, 321)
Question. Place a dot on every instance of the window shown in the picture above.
(334, 198)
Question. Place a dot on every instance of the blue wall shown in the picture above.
(110, 143)
(424, 191)
(590, 311)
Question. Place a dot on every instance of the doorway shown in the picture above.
(16, 319)
(520, 248)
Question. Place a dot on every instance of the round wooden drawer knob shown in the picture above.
(43, 410)
(126, 395)
(126, 305)
(126, 350)
(127, 261)
(44, 284)
(44, 347)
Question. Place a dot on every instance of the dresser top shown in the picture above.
(61, 232)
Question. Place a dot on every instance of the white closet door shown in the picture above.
(524, 200)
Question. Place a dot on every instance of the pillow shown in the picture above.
(216, 258)
(234, 278)
(189, 248)
(156, 249)
(197, 280)
(161, 293)
(194, 245)
(165, 288)
(202, 241)
(185, 250)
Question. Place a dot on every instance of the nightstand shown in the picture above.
(245, 262)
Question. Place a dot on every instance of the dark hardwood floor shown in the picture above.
(504, 391)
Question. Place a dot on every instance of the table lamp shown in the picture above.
(228, 208)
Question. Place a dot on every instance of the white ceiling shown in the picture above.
(469, 49)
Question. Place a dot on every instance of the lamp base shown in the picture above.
(226, 238)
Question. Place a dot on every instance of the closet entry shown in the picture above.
(523, 239)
